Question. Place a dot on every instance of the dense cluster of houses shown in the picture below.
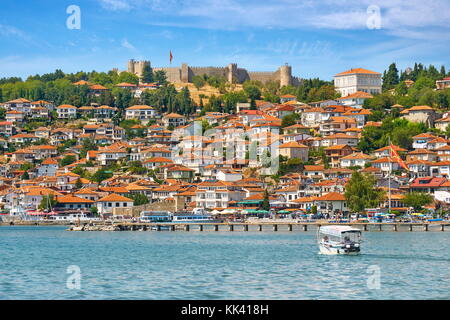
(228, 167)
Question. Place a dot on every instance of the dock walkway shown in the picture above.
(259, 226)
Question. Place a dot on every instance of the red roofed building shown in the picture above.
(359, 79)
(113, 201)
(427, 184)
(443, 84)
(332, 203)
(294, 150)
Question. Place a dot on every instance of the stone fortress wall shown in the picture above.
(232, 73)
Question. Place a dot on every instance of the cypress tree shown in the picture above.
(147, 74)
(390, 78)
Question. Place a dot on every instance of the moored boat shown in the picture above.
(338, 239)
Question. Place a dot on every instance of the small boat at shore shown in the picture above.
(338, 239)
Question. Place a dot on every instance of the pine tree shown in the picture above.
(390, 77)
(147, 74)
(442, 73)
(266, 204)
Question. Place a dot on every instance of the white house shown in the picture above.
(359, 79)
(140, 112)
(66, 111)
(108, 203)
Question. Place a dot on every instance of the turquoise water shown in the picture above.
(218, 265)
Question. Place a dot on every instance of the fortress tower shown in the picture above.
(232, 73)
(285, 75)
(137, 67)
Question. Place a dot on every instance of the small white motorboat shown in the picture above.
(336, 239)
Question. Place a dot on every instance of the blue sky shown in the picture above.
(318, 38)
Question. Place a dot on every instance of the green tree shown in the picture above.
(128, 77)
(266, 204)
(147, 74)
(361, 192)
(78, 184)
(48, 202)
(417, 200)
(198, 82)
(252, 91)
(139, 199)
(101, 175)
(290, 120)
(390, 77)
(160, 77)
(94, 211)
(67, 160)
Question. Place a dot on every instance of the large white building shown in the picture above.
(353, 80)
(140, 112)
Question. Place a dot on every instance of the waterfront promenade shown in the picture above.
(254, 225)
(259, 226)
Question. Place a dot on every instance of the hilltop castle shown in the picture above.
(232, 73)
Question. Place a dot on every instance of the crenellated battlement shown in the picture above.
(231, 72)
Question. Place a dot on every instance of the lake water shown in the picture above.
(219, 265)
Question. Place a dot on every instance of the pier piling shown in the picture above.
(391, 226)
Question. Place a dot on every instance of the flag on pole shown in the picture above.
(394, 155)
(171, 56)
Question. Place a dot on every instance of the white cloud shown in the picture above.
(116, 5)
(329, 14)
(127, 45)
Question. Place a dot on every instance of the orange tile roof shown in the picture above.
(292, 144)
(66, 106)
(140, 107)
(98, 87)
(49, 161)
(115, 197)
(82, 83)
(332, 196)
(125, 84)
(357, 70)
(357, 94)
(72, 199)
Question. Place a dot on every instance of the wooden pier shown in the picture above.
(263, 226)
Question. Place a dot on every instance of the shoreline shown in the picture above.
(441, 226)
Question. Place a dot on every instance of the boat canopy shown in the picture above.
(337, 230)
